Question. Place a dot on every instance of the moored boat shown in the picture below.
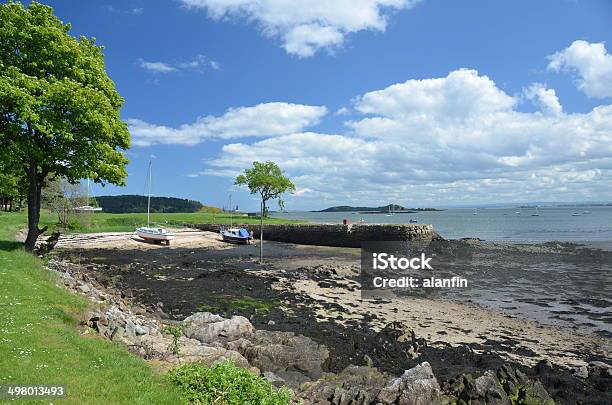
(157, 235)
(236, 235)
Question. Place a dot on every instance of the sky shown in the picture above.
(362, 102)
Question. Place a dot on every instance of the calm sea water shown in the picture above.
(588, 224)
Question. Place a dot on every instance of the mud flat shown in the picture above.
(315, 291)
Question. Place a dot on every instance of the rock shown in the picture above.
(581, 372)
(354, 385)
(600, 368)
(208, 328)
(84, 288)
(417, 386)
(489, 389)
(274, 379)
(282, 351)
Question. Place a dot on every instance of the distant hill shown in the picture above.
(374, 210)
(118, 204)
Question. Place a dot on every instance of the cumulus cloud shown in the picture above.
(591, 62)
(266, 119)
(305, 26)
(544, 98)
(198, 63)
(458, 138)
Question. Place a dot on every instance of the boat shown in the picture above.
(149, 233)
(536, 213)
(413, 221)
(390, 214)
(87, 207)
(236, 235)
(586, 212)
(576, 214)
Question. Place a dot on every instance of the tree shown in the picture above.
(59, 110)
(62, 198)
(269, 181)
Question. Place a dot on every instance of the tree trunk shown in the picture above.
(35, 185)
(263, 204)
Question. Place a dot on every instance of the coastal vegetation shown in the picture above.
(268, 181)
(226, 384)
(60, 110)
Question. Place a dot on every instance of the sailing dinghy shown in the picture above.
(149, 233)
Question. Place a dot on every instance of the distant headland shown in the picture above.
(376, 210)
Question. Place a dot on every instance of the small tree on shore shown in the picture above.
(59, 110)
(62, 198)
(269, 181)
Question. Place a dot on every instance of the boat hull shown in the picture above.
(155, 236)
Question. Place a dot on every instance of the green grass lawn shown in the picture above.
(41, 344)
(106, 222)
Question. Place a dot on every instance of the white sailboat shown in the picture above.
(390, 214)
(88, 207)
(155, 234)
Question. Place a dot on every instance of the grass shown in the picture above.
(106, 222)
(41, 344)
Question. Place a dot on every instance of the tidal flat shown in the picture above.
(525, 303)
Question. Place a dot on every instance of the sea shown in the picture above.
(544, 224)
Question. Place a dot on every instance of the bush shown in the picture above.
(225, 383)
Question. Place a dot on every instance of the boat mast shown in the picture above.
(149, 199)
(230, 208)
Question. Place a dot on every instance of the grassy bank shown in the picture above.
(40, 342)
(105, 222)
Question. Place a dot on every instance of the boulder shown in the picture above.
(417, 386)
(208, 328)
(354, 385)
(490, 391)
(295, 358)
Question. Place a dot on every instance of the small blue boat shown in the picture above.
(236, 235)
(413, 221)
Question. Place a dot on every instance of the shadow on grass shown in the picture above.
(9, 245)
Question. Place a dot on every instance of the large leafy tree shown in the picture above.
(59, 110)
(269, 181)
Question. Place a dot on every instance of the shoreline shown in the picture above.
(313, 291)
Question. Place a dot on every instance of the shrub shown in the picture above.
(224, 384)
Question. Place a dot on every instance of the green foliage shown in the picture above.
(59, 110)
(225, 384)
(121, 204)
(58, 104)
(267, 180)
(176, 332)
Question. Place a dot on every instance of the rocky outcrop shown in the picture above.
(417, 386)
(294, 358)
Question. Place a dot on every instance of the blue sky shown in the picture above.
(425, 103)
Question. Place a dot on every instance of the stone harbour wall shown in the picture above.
(338, 235)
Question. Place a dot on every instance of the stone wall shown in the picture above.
(334, 234)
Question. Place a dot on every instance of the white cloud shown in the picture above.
(305, 26)
(156, 67)
(591, 62)
(455, 138)
(262, 120)
(198, 63)
(132, 11)
(544, 98)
